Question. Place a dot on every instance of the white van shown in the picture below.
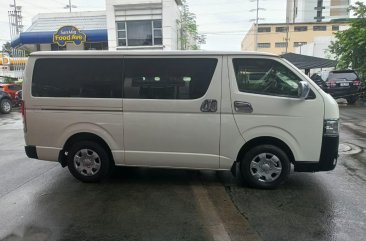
(253, 113)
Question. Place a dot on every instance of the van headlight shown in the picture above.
(331, 127)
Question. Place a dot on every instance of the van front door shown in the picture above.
(171, 111)
(265, 103)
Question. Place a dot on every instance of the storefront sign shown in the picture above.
(68, 34)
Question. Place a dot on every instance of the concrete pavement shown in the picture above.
(41, 201)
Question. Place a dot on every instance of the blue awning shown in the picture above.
(99, 35)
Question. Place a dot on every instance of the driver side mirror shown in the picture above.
(303, 90)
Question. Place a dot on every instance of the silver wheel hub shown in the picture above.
(6, 106)
(87, 162)
(265, 167)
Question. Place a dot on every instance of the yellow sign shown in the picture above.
(68, 34)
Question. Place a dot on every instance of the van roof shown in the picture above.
(141, 52)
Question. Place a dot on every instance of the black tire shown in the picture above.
(252, 175)
(86, 164)
(6, 106)
(352, 100)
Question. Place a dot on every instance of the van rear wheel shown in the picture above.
(265, 166)
(88, 161)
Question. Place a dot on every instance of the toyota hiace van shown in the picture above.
(252, 113)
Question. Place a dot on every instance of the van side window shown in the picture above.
(167, 78)
(265, 76)
(78, 78)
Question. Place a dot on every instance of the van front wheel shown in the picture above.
(88, 161)
(265, 166)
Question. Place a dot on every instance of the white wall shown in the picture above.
(168, 12)
(318, 48)
(305, 11)
(72, 46)
(45, 47)
(170, 28)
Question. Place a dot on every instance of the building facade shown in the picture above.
(40, 35)
(274, 38)
(143, 24)
(316, 10)
(317, 48)
(126, 24)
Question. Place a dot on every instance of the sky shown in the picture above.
(224, 22)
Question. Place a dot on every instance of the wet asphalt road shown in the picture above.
(42, 201)
(314, 206)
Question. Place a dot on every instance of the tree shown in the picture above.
(189, 36)
(9, 80)
(7, 47)
(350, 44)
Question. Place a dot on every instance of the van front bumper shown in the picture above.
(328, 157)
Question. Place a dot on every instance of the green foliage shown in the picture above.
(10, 50)
(9, 80)
(350, 44)
(7, 47)
(190, 39)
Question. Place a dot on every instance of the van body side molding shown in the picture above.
(94, 110)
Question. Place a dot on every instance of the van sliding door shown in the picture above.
(171, 111)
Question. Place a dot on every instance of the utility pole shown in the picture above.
(256, 26)
(287, 38)
(256, 20)
(15, 20)
(16, 17)
(290, 18)
(70, 6)
(294, 11)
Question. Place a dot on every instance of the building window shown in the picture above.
(281, 29)
(335, 27)
(56, 47)
(301, 28)
(263, 45)
(319, 11)
(299, 44)
(121, 33)
(281, 45)
(264, 29)
(96, 46)
(319, 28)
(157, 33)
(139, 33)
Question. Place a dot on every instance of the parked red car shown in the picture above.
(11, 89)
(18, 98)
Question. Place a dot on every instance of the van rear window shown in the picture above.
(78, 77)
